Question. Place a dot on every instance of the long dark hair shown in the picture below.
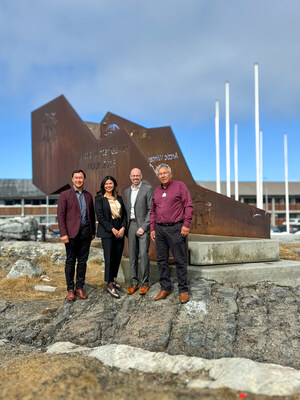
(102, 190)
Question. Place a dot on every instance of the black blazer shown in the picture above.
(103, 212)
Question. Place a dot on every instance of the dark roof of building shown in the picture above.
(19, 188)
(249, 188)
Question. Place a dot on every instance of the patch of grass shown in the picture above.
(23, 288)
(289, 251)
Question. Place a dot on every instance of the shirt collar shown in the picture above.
(137, 187)
(77, 191)
(167, 185)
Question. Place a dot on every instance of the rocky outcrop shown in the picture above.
(223, 323)
(18, 228)
(260, 323)
(233, 373)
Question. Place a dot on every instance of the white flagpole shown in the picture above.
(236, 183)
(256, 90)
(217, 135)
(287, 206)
(228, 191)
(261, 166)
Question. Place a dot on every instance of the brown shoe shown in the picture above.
(81, 294)
(184, 297)
(132, 289)
(162, 294)
(144, 289)
(71, 295)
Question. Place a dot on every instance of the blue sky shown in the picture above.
(156, 63)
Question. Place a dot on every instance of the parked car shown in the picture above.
(274, 229)
(293, 228)
(55, 233)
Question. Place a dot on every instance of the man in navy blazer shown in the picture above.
(76, 222)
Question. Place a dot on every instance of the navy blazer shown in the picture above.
(103, 212)
(68, 213)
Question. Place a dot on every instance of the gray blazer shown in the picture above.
(142, 206)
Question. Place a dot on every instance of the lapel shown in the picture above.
(128, 198)
(139, 192)
(74, 195)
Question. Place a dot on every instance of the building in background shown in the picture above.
(273, 197)
(19, 197)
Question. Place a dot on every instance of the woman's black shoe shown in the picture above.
(117, 285)
(113, 292)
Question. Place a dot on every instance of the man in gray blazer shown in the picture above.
(138, 199)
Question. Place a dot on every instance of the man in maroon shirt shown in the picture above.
(170, 219)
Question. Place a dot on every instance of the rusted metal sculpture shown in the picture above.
(62, 142)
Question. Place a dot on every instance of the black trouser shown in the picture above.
(112, 249)
(77, 248)
(169, 237)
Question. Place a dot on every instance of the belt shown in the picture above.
(169, 224)
(133, 220)
(84, 225)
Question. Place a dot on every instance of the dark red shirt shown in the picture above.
(172, 204)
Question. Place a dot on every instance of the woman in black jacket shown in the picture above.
(111, 216)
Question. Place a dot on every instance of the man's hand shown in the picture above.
(93, 237)
(185, 231)
(64, 239)
(140, 231)
(152, 235)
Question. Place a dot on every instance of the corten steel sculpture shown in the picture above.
(62, 142)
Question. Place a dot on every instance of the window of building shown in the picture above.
(35, 202)
(249, 200)
(52, 202)
(12, 202)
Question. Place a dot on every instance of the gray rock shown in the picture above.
(58, 257)
(45, 288)
(18, 228)
(24, 267)
(234, 373)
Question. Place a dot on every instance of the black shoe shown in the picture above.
(113, 292)
(117, 285)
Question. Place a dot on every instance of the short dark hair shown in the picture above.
(102, 189)
(77, 171)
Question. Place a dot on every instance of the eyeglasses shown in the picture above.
(163, 173)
